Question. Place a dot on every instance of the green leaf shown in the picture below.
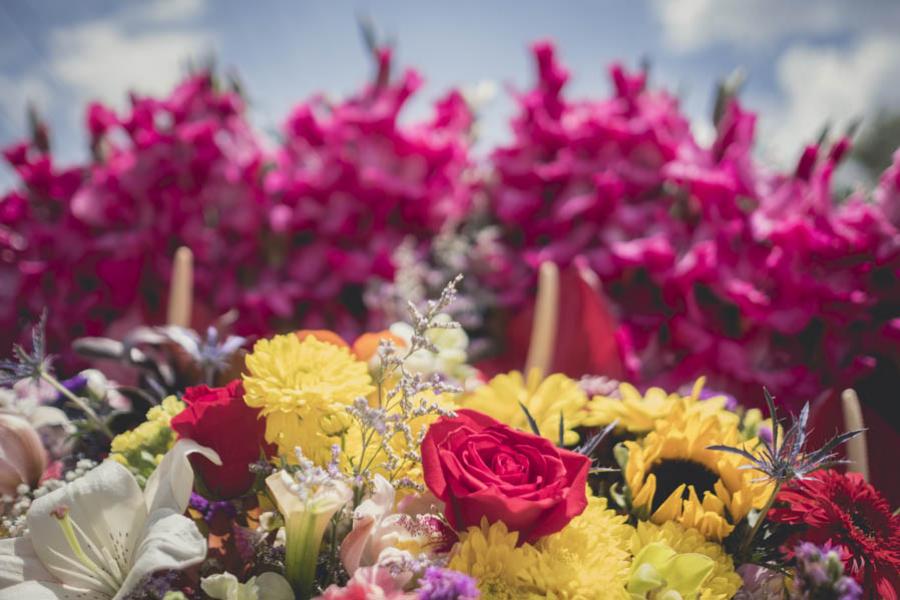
(562, 430)
(531, 422)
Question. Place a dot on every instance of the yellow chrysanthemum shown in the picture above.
(142, 448)
(588, 559)
(721, 584)
(637, 413)
(546, 399)
(490, 555)
(303, 388)
(590, 554)
(672, 476)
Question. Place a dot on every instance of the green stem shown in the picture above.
(78, 402)
(759, 519)
(302, 553)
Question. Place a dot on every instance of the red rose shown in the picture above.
(479, 467)
(219, 419)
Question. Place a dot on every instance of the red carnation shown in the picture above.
(848, 512)
(480, 468)
(219, 419)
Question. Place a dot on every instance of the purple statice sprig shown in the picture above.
(446, 584)
(211, 508)
(820, 575)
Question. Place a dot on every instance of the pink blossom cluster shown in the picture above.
(288, 237)
(350, 184)
(714, 265)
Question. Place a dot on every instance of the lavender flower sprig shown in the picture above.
(405, 401)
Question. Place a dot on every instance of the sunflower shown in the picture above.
(303, 388)
(845, 511)
(547, 400)
(673, 476)
(721, 584)
(637, 413)
(590, 554)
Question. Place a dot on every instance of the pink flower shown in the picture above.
(368, 583)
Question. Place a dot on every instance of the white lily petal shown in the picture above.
(19, 562)
(170, 484)
(106, 508)
(49, 416)
(170, 541)
(273, 586)
(41, 590)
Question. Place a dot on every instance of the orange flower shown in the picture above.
(366, 346)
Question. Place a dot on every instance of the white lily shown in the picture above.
(97, 537)
(307, 507)
(268, 586)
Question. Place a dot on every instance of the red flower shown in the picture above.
(848, 512)
(481, 468)
(219, 419)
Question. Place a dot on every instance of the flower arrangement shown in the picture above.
(379, 468)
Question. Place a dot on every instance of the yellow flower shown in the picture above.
(637, 413)
(722, 583)
(672, 476)
(546, 399)
(591, 554)
(490, 555)
(142, 448)
(303, 389)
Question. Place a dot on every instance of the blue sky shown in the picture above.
(807, 61)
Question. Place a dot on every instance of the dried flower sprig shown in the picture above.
(210, 353)
(37, 365)
(786, 459)
(402, 397)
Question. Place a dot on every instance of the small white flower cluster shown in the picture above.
(14, 509)
(305, 479)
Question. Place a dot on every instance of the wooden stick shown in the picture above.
(181, 289)
(546, 314)
(857, 453)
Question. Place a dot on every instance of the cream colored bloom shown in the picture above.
(99, 536)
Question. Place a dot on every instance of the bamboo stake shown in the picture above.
(546, 314)
(181, 288)
(857, 453)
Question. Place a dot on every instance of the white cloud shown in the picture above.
(166, 11)
(100, 60)
(826, 84)
(695, 24)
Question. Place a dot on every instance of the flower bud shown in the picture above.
(22, 455)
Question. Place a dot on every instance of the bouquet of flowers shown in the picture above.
(308, 465)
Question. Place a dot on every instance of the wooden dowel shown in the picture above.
(857, 452)
(181, 289)
(546, 313)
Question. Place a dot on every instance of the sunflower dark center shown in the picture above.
(670, 473)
